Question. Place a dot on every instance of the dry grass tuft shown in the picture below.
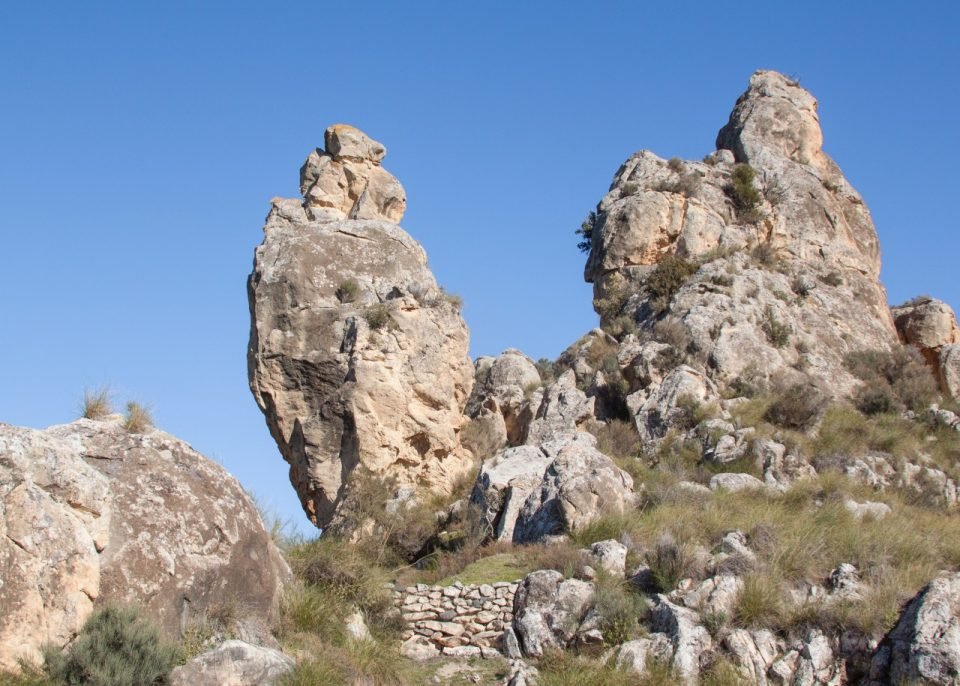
(138, 419)
(96, 404)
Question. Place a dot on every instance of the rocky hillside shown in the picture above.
(747, 474)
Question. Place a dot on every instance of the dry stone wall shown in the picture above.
(458, 620)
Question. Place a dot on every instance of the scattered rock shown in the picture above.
(734, 482)
(611, 556)
(635, 655)
(234, 663)
(691, 641)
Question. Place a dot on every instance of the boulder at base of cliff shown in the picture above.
(92, 514)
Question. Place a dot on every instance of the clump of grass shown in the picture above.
(562, 557)
(620, 607)
(676, 165)
(668, 562)
(116, 647)
(348, 291)
(616, 438)
(138, 419)
(561, 668)
(378, 317)
(96, 404)
(600, 529)
(667, 278)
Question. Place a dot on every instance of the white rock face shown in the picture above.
(234, 663)
(924, 646)
(812, 294)
(357, 358)
(90, 512)
(499, 399)
(558, 411)
(690, 639)
(949, 365)
(505, 482)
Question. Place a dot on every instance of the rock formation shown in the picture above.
(357, 358)
(763, 254)
(931, 326)
(91, 513)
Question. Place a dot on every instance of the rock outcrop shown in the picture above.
(530, 493)
(764, 254)
(91, 513)
(930, 325)
(924, 646)
(357, 358)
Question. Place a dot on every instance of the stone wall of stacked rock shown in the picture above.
(458, 620)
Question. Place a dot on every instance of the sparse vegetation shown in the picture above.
(378, 317)
(796, 407)
(898, 379)
(667, 278)
(117, 647)
(96, 404)
(676, 165)
(629, 188)
(777, 332)
(831, 279)
(138, 418)
(586, 232)
(348, 291)
(741, 190)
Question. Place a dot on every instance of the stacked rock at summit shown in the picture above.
(358, 359)
(770, 261)
(92, 514)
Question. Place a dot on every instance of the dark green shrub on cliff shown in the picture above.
(745, 196)
(667, 278)
(586, 232)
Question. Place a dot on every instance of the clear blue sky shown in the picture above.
(141, 142)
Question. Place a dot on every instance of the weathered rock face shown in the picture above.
(930, 325)
(499, 398)
(93, 514)
(924, 646)
(357, 358)
(548, 609)
(809, 292)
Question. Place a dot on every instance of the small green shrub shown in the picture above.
(746, 198)
(548, 370)
(378, 317)
(667, 278)
(116, 647)
(586, 232)
(348, 291)
(777, 332)
(96, 404)
(138, 419)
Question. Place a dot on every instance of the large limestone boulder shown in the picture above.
(500, 395)
(787, 288)
(357, 358)
(924, 646)
(503, 485)
(94, 514)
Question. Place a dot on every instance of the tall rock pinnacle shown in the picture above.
(779, 260)
(357, 358)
